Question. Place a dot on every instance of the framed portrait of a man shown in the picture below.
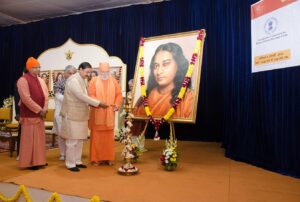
(166, 61)
(45, 75)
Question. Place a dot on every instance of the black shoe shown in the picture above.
(74, 169)
(34, 168)
(46, 164)
(81, 166)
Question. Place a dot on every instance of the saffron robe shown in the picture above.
(102, 121)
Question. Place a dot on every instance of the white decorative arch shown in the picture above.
(72, 53)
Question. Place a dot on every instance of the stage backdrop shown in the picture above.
(256, 116)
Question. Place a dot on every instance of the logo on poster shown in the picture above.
(271, 25)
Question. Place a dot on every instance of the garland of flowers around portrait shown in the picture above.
(185, 84)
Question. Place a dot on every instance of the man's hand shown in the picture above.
(102, 105)
(43, 112)
(116, 108)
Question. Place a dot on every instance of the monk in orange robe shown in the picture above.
(167, 72)
(33, 107)
(102, 121)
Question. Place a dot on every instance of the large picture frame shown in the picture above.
(115, 72)
(166, 60)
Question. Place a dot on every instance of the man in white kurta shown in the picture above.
(75, 113)
(59, 89)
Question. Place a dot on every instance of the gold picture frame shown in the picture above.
(175, 50)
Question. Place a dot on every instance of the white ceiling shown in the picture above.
(24, 11)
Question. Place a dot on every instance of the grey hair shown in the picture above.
(69, 67)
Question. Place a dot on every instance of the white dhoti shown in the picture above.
(74, 132)
(57, 130)
(58, 124)
(73, 152)
(62, 146)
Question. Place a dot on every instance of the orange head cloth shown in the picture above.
(31, 63)
(104, 67)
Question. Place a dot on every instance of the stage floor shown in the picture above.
(204, 174)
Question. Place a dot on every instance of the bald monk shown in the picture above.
(103, 87)
(167, 72)
(33, 107)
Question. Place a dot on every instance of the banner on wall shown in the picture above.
(275, 34)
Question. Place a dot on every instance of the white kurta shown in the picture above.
(57, 124)
(75, 115)
(75, 108)
(57, 117)
(74, 129)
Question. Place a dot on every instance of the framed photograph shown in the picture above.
(45, 75)
(57, 75)
(166, 62)
(115, 72)
(95, 72)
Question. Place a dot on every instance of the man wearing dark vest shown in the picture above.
(33, 107)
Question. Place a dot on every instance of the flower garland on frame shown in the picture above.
(185, 84)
